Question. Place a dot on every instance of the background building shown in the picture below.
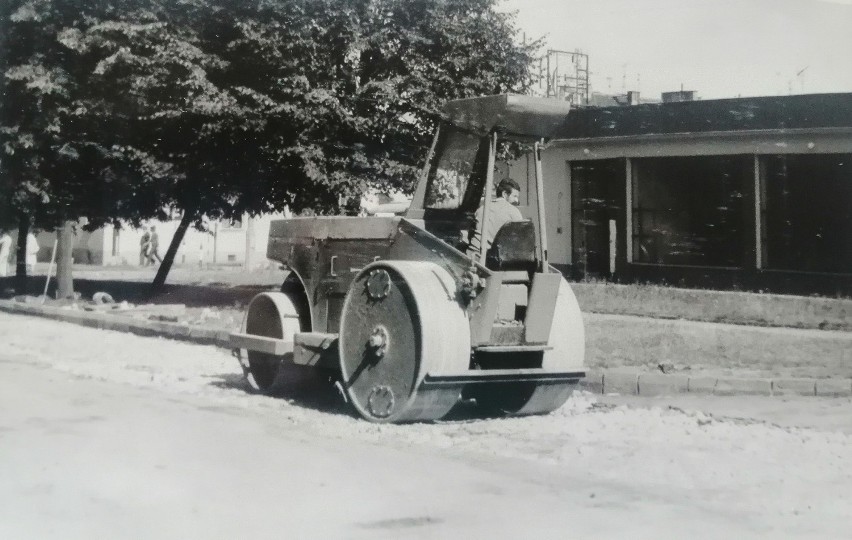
(224, 242)
(751, 193)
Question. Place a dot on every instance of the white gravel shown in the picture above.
(765, 479)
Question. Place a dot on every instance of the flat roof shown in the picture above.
(734, 114)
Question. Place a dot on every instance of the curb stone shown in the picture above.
(833, 387)
(793, 387)
(615, 382)
(701, 385)
(659, 384)
(593, 382)
(597, 382)
(750, 387)
(121, 323)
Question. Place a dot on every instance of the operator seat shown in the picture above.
(513, 248)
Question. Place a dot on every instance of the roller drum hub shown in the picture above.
(400, 321)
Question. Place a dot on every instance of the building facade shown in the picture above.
(746, 193)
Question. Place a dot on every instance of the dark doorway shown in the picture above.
(597, 217)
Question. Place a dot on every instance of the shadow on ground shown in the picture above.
(309, 390)
(213, 295)
(317, 391)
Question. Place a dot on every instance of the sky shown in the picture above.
(719, 48)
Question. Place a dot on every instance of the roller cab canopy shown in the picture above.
(457, 169)
(460, 169)
(509, 114)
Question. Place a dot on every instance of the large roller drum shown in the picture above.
(400, 321)
(272, 315)
(566, 353)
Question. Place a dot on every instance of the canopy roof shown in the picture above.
(511, 114)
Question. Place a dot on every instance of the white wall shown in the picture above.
(223, 244)
(557, 207)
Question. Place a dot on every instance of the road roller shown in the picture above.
(402, 313)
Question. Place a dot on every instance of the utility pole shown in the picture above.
(566, 75)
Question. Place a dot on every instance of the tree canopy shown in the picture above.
(125, 110)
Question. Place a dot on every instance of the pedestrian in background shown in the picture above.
(5, 251)
(155, 246)
(144, 247)
(32, 252)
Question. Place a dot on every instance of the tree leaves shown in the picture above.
(121, 109)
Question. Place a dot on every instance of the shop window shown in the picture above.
(597, 198)
(807, 212)
(691, 210)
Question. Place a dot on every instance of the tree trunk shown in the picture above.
(21, 265)
(166, 265)
(249, 226)
(64, 262)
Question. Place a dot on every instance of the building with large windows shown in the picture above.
(745, 193)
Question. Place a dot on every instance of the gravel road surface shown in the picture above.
(110, 435)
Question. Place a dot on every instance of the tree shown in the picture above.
(416, 55)
(215, 108)
(58, 163)
(37, 101)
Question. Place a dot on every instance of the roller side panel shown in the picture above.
(542, 307)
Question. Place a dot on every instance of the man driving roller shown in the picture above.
(501, 211)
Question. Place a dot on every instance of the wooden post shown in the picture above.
(49, 270)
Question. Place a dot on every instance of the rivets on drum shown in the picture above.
(379, 340)
(381, 401)
(378, 284)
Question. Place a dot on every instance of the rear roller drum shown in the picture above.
(567, 342)
(400, 321)
(270, 315)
